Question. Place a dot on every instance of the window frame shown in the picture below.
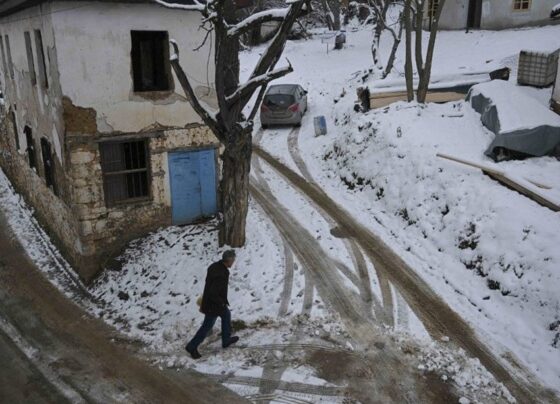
(111, 202)
(135, 61)
(30, 147)
(9, 55)
(517, 5)
(39, 48)
(49, 168)
(30, 58)
(4, 60)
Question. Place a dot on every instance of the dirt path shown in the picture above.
(438, 318)
(70, 353)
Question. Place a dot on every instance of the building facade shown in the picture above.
(96, 133)
(491, 14)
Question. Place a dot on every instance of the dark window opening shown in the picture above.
(30, 150)
(41, 59)
(48, 164)
(475, 14)
(125, 171)
(15, 127)
(4, 64)
(150, 61)
(30, 61)
(9, 55)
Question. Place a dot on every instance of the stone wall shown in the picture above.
(52, 212)
(106, 230)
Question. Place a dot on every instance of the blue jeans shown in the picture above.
(206, 327)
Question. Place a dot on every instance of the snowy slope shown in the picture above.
(490, 252)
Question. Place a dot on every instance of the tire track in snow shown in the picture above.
(438, 318)
(272, 372)
(357, 258)
(390, 365)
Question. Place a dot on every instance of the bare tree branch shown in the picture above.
(207, 116)
(277, 44)
(277, 14)
(250, 86)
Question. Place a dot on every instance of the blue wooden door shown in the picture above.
(193, 185)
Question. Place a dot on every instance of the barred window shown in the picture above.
(521, 5)
(125, 171)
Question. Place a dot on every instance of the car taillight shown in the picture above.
(264, 108)
(294, 108)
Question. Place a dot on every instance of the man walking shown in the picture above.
(215, 304)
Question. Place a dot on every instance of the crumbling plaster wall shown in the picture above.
(36, 106)
(90, 99)
(94, 50)
(94, 44)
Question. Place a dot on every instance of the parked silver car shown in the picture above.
(283, 104)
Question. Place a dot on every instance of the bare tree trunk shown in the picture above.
(329, 15)
(232, 128)
(379, 26)
(396, 43)
(408, 52)
(234, 188)
(424, 79)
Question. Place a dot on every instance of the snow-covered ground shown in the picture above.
(490, 252)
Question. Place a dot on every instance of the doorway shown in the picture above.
(192, 176)
(475, 14)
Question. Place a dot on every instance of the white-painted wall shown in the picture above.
(496, 14)
(94, 47)
(38, 107)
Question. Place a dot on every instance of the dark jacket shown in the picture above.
(214, 298)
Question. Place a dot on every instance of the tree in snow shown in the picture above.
(331, 10)
(380, 9)
(229, 123)
(414, 17)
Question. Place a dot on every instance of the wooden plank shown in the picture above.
(502, 178)
(487, 169)
(379, 100)
(524, 191)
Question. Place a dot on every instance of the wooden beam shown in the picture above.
(509, 182)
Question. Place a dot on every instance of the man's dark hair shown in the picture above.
(229, 254)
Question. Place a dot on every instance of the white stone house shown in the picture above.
(97, 133)
(491, 14)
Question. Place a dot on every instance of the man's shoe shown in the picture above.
(231, 341)
(194, 353)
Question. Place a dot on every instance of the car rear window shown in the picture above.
(279, 100)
